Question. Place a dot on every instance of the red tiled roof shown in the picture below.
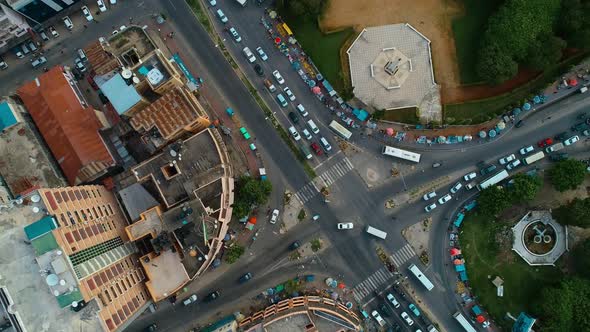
(70, 129)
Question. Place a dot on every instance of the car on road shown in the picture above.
(429, 195)
(513, 164)
(221, 16)
(53, 32)
(456, 187)
(245, 278)
(507, 159)
(274, 217)
(213, 3)
(430, 207)
(295, 245)
(289, 93)
(294, 133)
(545, 142)
(444, 199)
(327, 147)
(245, 133)
(378, 318)
(68, 23)
(526, 150)
(80, 65)
(43, 35)
(258, 69)
(268, 84)
(151, 328)
(101, 5)
(561, 136)
(470, 176)
(281, 99)
(571, 140)
(436, 165)
(214, 295)
(414, 309)
(302, 110)
(316, 148)
(345, 225)
(519, 124)
(3, 64)
(190, 299)
(294, 118)
(278, 77)
(38, 61)
(407, 318)
(392, 300)
(248, 54)
(113, 2)
(487, 169)
(86, 13)
(306, 134)
(262, 54)
(234, 33)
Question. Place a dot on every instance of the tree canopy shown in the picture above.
(525, 187)
(581, 253)
(565, 307)
(574, 25)
(544, 51)
(567, 174)
(575, 213)
(493, 200)
(250, 192)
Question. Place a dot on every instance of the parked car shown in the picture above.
(456, 187)
(407, 318)
(513, 164)
(274, 217)
(571, 140)
(519, 124)
(302, 110)
(561, 136)
(378, 318)
(32, 46)
(429, 195)
(68, 23)
(345, 225)
(101, 5)
(245, 133)
(213, 3)
(294, 133)
(38, 61)
(289, 93)
(586, 132)
(258, 69)
(444, 199)
(269, 85)
(327, 147)
(507, 159)
(86, 13)
(113, 2)
(306, 134)
(392, 300)
(262, 54)
(316, 148)
(248, 54)
(245, 278)
(545, 142)
(470, 176)
(190, 299)
(436, 165)
(559, 156)
(430, 207)
(3, 64)
(80, 65)
(236, 36)
(18, 52)
(278, 77)
(414, 309)
(526, 150)
(212, 296)
(293, 116)
(43, 35)
(53, 32)
(221, 16)
(295, 245)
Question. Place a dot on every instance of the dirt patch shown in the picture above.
(417, 236)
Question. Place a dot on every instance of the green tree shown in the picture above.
(565, 307)
(567, 174)
(575, 213)
(250, 192)
(581, 254)
(493, 200)
(525, 187)
(573, 23)
(233, 253)
(545, 51)
(495, 65)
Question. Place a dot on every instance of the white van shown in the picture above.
(313, 127)
(302, 110)
(294, 133)
(249, 55)
(325, 144)
(375, 232)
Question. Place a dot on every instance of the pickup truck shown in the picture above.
(554, 148)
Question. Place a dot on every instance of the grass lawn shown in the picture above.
(522, 283)
(404, 115)
(324, 49)
(468, 30)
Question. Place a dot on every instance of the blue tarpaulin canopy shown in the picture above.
(463, 275)
(459, 219)
(360, 114)
(476, 310)
(526, 106)
(327, 86)
(492, 133)
(460, 267)
(471, 205)
(536, 99)
(516, 111)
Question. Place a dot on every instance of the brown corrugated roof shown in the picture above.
(101, 61)
(70, 129)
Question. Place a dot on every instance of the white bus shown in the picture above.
(418, 274)
(402, 154)
(375, 232)
(492, 180)
(534, 157)
(464, 322)
(340, 130)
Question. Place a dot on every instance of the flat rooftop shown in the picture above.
(35, 305)
(182, 168)
(23, 171)
(165, 272)
(149, 223)
(130, 45)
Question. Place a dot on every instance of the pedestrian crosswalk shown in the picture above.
(328, 177)
(336, 171)
(373, 282)
(403, 255)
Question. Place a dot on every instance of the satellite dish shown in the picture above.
(35, 209)
(52, 280)
(59, 252)
(173, 153)
(62, 282)
(35, 198)
(74, 304)
(135, 80)
(126, 73)
(56, 292)
(19, 201)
